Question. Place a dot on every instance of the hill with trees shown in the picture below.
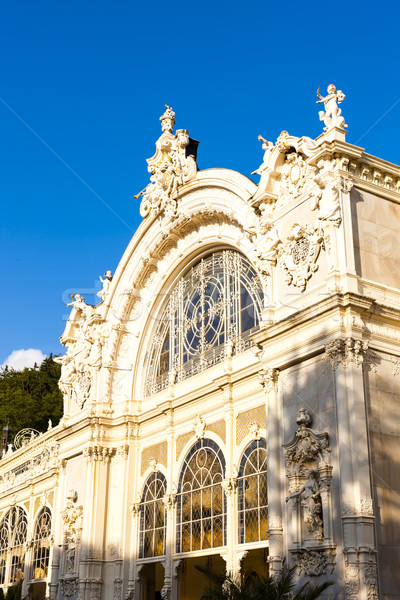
(30, 397)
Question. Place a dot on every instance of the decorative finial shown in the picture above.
(332, 115)
(168, 120)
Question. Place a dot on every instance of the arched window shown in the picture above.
(4, 541)
(152, 517)
(201, 505)
(41, 544)
(252, 496)
(219, 300)
(18, 524)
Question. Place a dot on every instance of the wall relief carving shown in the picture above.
(86, 337)
(315, 562)
(299, 255)
(309, 473)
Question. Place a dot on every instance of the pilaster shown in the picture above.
(269, 380)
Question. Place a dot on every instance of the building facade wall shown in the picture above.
(317, 380)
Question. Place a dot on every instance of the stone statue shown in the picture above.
(106, 285)
(268, 148)
(311, 504)
(169, 169)
(332, 115)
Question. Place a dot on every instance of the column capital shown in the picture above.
(344, 351)
(268, 377)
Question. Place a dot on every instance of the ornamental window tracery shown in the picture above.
(201, 503)
(252, 494)
(211, 311)
(153, 517)
(41, 544)
(17, 532)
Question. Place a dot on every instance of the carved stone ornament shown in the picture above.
(308, 449)
(266, 239)
(315, 562)
(170, 168)
(69, 586)
(72, 517)
(85, 341)
(299, 256)
(346, 351)
(296, 177)
(199, 427)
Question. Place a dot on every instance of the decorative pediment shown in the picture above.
(170, 167)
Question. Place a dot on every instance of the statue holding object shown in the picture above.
(332, 115)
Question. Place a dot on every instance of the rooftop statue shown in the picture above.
(332, 115)
(170, 168)
(106, 285)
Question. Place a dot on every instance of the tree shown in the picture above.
(277, 587)
(30, 397)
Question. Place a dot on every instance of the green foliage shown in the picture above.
(14, 592)
(276, 587)
(29, 398)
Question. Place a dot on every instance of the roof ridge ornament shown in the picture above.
(169, 168)
(332, 115)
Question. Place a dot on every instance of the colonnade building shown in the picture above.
(233, 399)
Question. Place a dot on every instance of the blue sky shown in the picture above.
(82, 88)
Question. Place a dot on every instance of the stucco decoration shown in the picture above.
(299, 255)
(284, 160)
(266, 239)
(325, 193)
(332, 115)
(170, 168)
(85, 337)
(309, 473)
(296, 178)
(72, 517)
(308, 449)
(314, 563)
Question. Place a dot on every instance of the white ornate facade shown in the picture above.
(233, 399)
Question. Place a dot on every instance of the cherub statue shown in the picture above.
(106, 284)
(332, 115)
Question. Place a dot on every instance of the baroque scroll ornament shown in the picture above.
(299, 256)
(170, 168)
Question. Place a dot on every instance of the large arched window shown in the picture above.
(41, 544)
(152, 517)
(218, 301)
(252, 497)
(201, 505)
(18, 527)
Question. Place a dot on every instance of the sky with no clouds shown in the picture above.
(82, 86)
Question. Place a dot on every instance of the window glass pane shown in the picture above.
(220, 299)
(252, 494)
(201, 514)
(153, 517)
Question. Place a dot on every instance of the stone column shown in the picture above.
(177, 570)
(169, 502)
(269, 380)
(97, 458)
(28, 574)
(347, 358)
(57, 530)
(232, 562)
